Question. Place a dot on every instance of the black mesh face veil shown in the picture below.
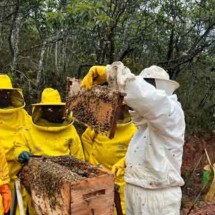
(51, 113)
(151, 81)
(5, 98)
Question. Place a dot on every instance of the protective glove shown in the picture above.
(24, 157)
(118, 75)
(96, 75)
(118, 168)
(6, 196)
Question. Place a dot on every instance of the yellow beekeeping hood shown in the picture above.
(50, 96)
(6, 84)
(17, 99)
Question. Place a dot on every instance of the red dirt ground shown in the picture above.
(192, 191)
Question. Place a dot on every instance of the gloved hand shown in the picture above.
(24, 157)
(96, 75)
(6, 196)
(118, 75)
(118, 168)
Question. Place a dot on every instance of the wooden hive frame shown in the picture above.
(64, 185)
(96, 108)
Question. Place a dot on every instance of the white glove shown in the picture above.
(118, 75)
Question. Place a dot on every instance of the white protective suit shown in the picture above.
(154, 155)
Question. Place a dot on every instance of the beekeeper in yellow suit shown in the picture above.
(5, 193)
(50, 133)
(13, 118)
(110, 153)
(154, 156)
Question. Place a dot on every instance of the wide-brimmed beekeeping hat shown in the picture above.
(16, 96)
(50, 96)
(6, 84)
(161, 77)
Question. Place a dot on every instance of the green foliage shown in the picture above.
(11, 75)
(57, 39)
(197, 95)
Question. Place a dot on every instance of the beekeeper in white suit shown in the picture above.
(154, 156)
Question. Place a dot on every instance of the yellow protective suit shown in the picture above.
(45, 138)
(11, 122)
(12, 119)
(100, 150)
(48, 138)
(49, 141)
(4, 175)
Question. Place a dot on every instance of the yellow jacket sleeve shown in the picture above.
(20, 144)
(76, 148)
(4, 177)
(87, 139)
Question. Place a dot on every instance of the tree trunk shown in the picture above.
(111, 46)
(56, 56)
(1, 27)
(15, 41)
(170, 46)
(40, 66)
(64, 54)
(14, 34)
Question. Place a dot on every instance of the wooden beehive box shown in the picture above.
(96, 108)
(64, 185)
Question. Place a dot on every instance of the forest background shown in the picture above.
(44, 42)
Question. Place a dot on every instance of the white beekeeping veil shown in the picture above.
(161, 79)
